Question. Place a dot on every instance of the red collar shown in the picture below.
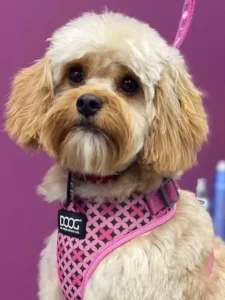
(159, 202)
(94, 179)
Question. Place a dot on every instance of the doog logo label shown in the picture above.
(72, 224)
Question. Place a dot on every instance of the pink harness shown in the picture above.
(89, 231)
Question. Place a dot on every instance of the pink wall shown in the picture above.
(25, 220)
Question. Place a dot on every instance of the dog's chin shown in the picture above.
(87, 149)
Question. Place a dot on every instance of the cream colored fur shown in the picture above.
(155, 133)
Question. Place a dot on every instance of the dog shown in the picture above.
(113, 102)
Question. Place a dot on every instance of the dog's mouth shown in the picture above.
(88, 127)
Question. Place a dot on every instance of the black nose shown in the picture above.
(88, 105)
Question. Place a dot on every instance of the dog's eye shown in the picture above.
(76, 74)
(129, 85)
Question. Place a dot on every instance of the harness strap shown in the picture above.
(162, 200)
(185, 21)
(210, 264)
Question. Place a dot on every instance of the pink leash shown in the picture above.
(185, 22)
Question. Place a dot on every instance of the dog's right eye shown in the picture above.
(76, 74)
(129, 85)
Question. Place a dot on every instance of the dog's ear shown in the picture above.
(180, 123)
(32, 92)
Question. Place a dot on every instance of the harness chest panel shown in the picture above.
(109, 225)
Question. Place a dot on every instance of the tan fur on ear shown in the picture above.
(32, 92)
(180, 124)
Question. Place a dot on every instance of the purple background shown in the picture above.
(25, 220)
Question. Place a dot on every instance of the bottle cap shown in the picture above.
(220, 166)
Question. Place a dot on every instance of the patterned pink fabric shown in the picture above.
(108, 227)
(185, 21)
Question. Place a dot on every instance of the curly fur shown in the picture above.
(154, 133)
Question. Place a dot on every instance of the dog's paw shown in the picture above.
(53, 186)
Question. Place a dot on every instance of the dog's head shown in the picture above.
(108, 92)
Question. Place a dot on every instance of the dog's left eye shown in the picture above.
(76, 74)
(129, 85)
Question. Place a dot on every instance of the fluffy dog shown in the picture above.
(144, 121)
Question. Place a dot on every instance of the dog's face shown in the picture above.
(97, 121)
(109, 92)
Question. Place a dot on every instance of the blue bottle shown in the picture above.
(218, 203)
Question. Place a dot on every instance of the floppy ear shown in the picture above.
(32, 92)
(180, 124)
